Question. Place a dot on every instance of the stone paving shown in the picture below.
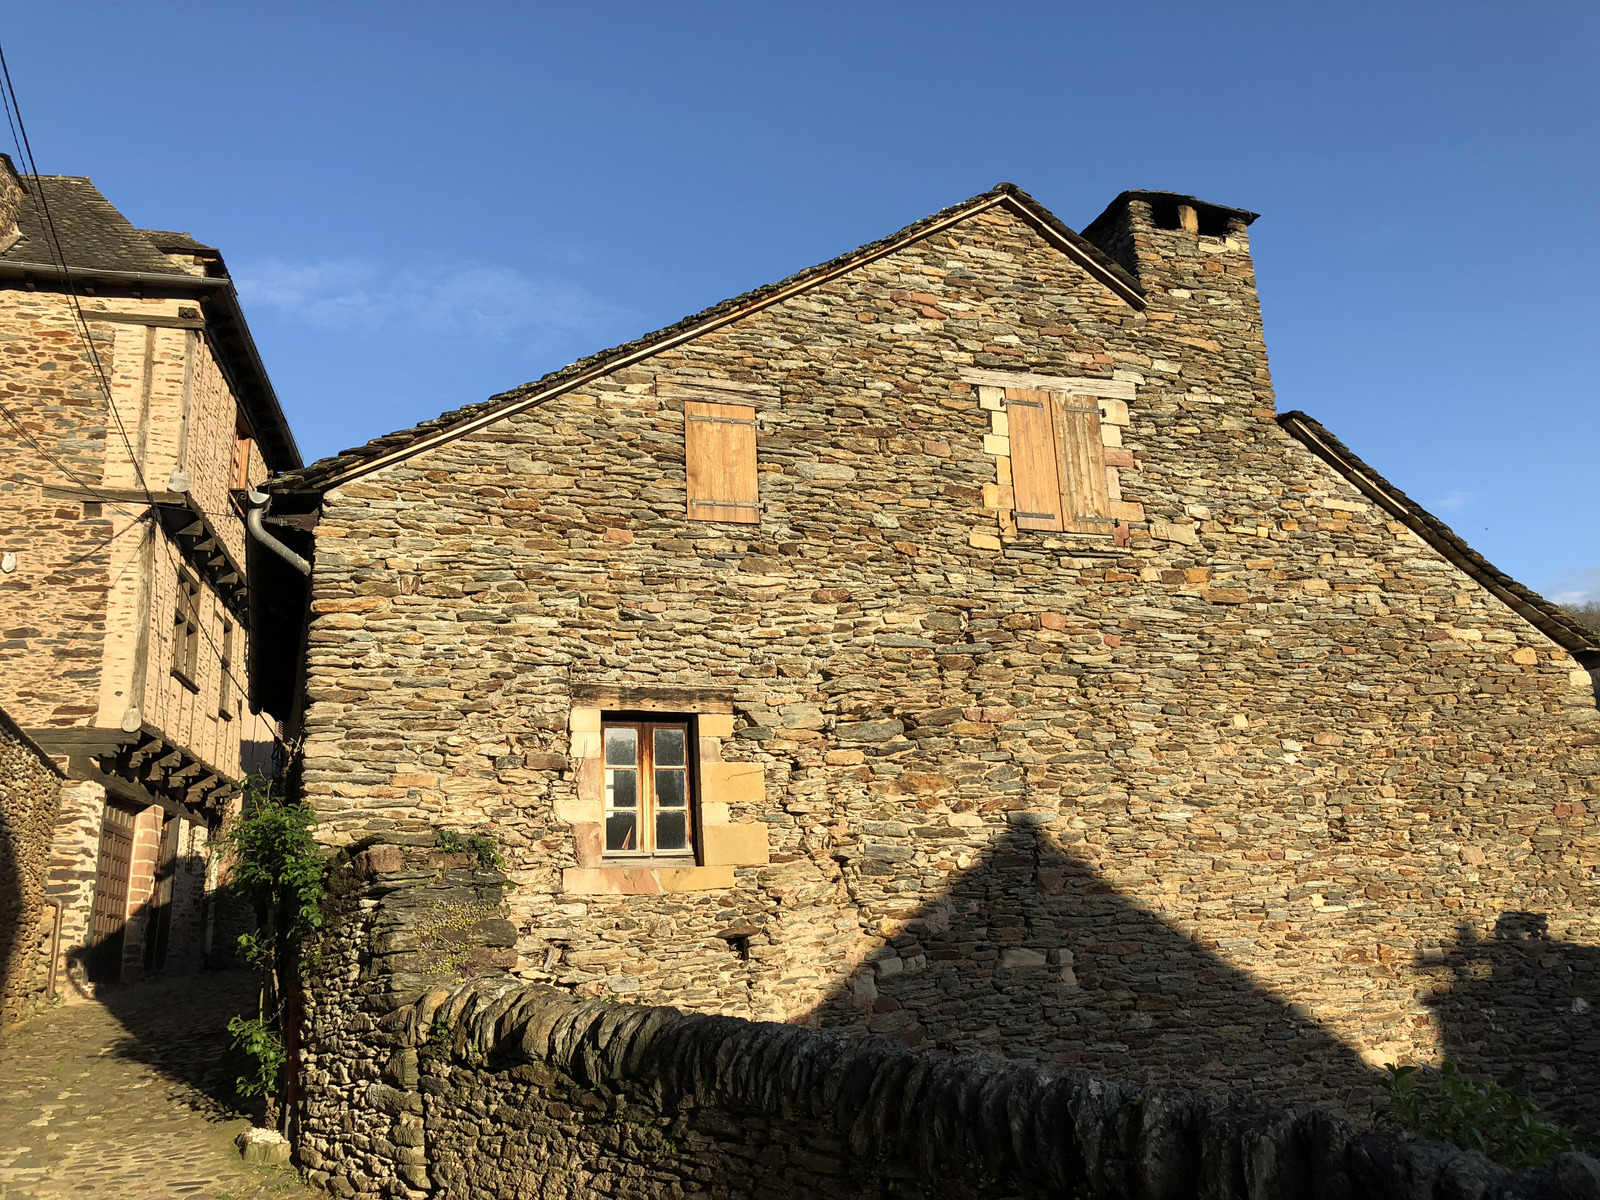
(127, 1098)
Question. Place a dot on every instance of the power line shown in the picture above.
(66, 273)
(17, 424)
(25, 147)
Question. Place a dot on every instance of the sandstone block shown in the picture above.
(718, 725)
(732, 783)
(734, 845)
(696, 879)
(610, 881)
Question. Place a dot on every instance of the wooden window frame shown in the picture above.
(1063, 456)
(647, 808)
(186, 631)
(719, 456)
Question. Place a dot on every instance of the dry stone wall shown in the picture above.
(492, 1087)
(1218, 806)
(30, 793)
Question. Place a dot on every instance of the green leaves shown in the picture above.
(276, 862)
(1475, 1116)
(257, 1039)
(275, 865)
(480, 845)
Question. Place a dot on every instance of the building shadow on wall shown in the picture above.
(1518, 1007)
(1031, 954)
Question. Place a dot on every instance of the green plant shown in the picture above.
(274, 865)
(260, 1043)
(480, 845)
(1474, 1115)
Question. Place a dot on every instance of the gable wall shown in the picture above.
(1090, 806)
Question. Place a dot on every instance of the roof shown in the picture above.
(392, 447)
(101, 244)
(170, 242)
(1549, 619)
(93, 233)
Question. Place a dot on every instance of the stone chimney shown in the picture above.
(1203, 323)
(11, 192)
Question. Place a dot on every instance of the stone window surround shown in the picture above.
(727, 791)
(1113, 396)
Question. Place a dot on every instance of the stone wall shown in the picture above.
(1222, 800)
(53, 603)
(30, 792)
(499, 1089)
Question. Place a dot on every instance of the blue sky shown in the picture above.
(427, 204)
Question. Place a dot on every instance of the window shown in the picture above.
(1058, 462)
(242, 442)
(719, 454)
(225, 686)
(186, 629)
(647, 788)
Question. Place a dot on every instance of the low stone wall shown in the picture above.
(493, 1087)
(30, 793)
(500, 1089)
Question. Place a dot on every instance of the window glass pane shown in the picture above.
(622, 746)
(672, 830)
(622, 831)
(622, 789)
(670, 789)
(669, 747)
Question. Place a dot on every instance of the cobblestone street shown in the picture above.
(126, 1099)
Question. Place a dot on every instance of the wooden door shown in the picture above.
(109, 921)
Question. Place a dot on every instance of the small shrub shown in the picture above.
(260, 1044)
(1474, 1115)
(480, 845)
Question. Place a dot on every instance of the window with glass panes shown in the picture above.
(647, 788)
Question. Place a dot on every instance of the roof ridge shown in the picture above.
(1545, 616)
(329, 470)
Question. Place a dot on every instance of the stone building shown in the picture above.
(136, 413)
(30, 793)
(953, 640)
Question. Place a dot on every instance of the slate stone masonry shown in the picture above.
(30, 794)
(424, 1076)
(1213, 808)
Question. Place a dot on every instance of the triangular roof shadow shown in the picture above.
(1033, 955)
(393, 447)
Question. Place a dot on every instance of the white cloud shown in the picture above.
(1454, 501)
(459, 300)
(1581, 587)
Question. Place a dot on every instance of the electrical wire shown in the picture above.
(91, 488)
(25, 148)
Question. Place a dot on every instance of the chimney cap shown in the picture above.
(1205, 208)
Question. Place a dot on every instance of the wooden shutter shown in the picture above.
(1082, 455)
(1035, 476)
(719, 449)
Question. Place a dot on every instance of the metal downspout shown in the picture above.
(259, 502)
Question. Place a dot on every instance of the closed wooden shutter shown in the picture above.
(1082, 456)
(1058, 462)
(720, 462)
(1035, 476)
